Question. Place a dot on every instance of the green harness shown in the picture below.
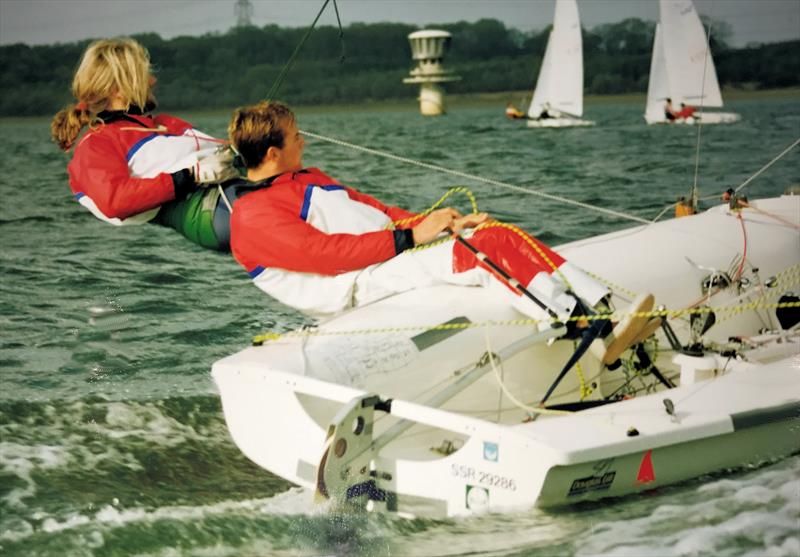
(193, 217)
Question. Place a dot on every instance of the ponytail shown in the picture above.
(107, 66)
(67, 125)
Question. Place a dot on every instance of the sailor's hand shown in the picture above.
(434, 224)
(215, 168)
(469, 221)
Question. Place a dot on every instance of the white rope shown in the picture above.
(664, 210)
(225, 198)
(519, 404)
(766, 166)
(533, 192)
(474, 177)
(745, 183)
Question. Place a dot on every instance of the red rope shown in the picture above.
(740, 270)
(768, 214)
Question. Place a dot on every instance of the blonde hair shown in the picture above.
(254, 129)
(108, 66)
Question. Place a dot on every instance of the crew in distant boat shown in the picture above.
(686, 111)
(321, 247)
(131, 167)
(513, 112)
(669, 111)
(682, 65)
(545, 113)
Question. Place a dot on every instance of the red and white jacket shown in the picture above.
(305, 237)
(121, 170)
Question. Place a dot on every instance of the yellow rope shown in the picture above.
(611, 285)
(786, 278)
(668, 313)
(585, 390)
(792, 273)
(528, 240)
(458, 189)
(432, 208)
(491, 224)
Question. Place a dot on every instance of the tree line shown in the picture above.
(367, 62)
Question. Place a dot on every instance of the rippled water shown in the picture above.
(112, 440)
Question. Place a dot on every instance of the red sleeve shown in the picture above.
(99, 170)
(394, 213)
(173, 124)
(270, 234)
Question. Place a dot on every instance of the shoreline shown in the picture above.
(501, 98)
(467, 100)
(492, 99)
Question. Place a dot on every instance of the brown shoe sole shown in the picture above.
(649, 330)
(630, 328)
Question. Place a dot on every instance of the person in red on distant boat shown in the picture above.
(131, 167)
(320, 246)
(686, 111)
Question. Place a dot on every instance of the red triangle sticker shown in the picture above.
(646, 473)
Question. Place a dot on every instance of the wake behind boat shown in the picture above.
(423, 402)
(682, 68)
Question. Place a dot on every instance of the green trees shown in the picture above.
(240, 66)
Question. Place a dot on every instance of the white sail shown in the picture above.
(693, 78)
(658, 86)
(560, 82)
(681, 67)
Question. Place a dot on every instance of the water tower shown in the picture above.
(427, 48)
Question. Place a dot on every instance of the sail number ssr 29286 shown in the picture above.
(482, 477)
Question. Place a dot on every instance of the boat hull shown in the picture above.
(703, 118)
(560, 123)
(547, 463)
(625, 474)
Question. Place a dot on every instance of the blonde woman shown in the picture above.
(131, 167)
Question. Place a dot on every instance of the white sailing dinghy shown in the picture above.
(558, 98)
(682, 69)
(421, 403)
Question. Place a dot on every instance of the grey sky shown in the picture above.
(52, 21)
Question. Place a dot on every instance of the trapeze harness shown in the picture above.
(216, 221)
(202, 217)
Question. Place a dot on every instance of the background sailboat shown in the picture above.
(681, 68)
(558, 99)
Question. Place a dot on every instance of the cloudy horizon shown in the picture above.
(58, 21)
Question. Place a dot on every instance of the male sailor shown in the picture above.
(321, 247)
(669, 111)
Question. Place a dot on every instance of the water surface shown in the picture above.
(112, 440)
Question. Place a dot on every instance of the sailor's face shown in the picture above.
(293, 146)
